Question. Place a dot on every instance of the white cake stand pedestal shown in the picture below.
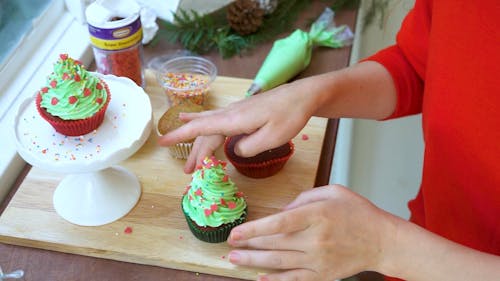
(95, 191)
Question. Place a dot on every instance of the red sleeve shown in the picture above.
(406, 60)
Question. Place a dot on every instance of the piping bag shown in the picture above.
(290, 55)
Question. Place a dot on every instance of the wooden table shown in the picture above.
(49, 265)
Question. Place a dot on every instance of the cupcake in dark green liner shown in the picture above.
(212, 204)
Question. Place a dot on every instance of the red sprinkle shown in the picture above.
(239, 194)
(98, 100)
(214, 207)
(231, 205)
(63, 56)
(208, 212)
(128, 230)
(98, 86)
(198, 192)
(305, 137)
(86, 92)
(72, 100)
(77, 78)
(54, 101)
(225, 178)
(45, 90)
(222, 201)
(65, 76)
(53, 83)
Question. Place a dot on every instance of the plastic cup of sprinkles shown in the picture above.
(187, 78)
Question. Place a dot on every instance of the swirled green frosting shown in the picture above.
(212, 198)
(72, 93)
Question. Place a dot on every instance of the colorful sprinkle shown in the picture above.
(128, 230)
(184, 81)
(305, 137)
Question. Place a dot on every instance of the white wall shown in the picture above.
(380, 160)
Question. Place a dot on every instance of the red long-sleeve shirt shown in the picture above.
(446, 65)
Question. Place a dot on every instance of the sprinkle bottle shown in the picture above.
(116, 39)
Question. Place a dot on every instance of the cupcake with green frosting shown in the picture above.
(74, 101)
(212, 203)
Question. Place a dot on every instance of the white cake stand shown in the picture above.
(94, 191)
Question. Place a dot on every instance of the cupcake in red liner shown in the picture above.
(262, 165)
(75, 101)
(212, 204)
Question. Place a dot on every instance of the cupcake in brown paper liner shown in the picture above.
(170, 121)
(262, 165)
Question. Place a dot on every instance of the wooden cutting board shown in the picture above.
(160, 235)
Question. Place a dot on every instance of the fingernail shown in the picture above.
(237, 151)
(236, 235)
(234, 257)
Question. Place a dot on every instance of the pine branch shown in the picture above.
(193, 31)
(200, 34)
(229, 44)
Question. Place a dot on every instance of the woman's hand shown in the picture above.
(204, 146)
(270, 119)
(326, 233)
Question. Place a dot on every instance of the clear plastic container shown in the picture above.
(187, 78)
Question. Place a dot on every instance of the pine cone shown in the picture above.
(245, 16)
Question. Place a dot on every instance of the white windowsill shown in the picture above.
(17, 83)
